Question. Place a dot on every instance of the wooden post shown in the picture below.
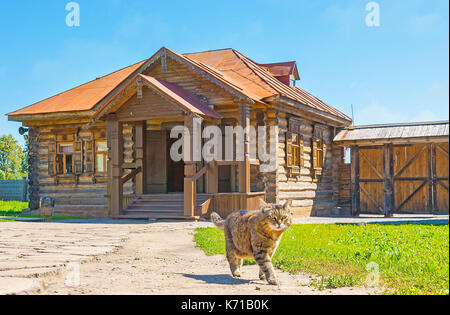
(244, 166)
(190, 170)
(115, 174)
(388, 176)
(140, 156)
(212, 179)
(432, 178)
(356, 190)
(272, 178)
(212, 176)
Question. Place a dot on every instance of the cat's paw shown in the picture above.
(262, 276)
(237, 274)
(273, 281)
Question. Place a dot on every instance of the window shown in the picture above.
(294, 152)
(64, 158)
(101, 156)
(348, 155)
(319, 150)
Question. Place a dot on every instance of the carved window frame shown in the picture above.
(319, 150)
(294, 147)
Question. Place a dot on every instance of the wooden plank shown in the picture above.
(442, 150)
(190, 169)
(372, 198)
(411, 195)
(140, 134)
(356, 193)
(432, 174)
(131, 175)
(443, 185)
(388, 174)
(371, 165)
(244, 166)
(410, 162)
(115, 130)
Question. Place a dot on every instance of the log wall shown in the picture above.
(311, 195)
(82, 195)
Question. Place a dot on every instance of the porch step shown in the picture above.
(155, 217)
(159, 207)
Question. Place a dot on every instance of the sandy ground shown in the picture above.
(159, 258)
(129, 257)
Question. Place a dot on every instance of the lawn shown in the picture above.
(407, 259)
(15, 208)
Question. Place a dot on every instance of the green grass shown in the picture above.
(411, 259)
(15, 208)
(12, 208)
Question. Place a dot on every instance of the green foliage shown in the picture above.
(12, 208)
(15, 208)
(334, 281)
(12, 159)
(411, 259)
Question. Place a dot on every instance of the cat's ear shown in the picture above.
(262, 204)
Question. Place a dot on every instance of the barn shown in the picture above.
(398, 168)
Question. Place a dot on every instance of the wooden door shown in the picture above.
(412, 178)
(156, 162)
(175, 170)
(225, 179)
(442, 178)
(371, 180)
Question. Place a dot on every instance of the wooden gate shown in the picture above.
(441, 180)
(412, 178)
(404, 178)
(371, 180)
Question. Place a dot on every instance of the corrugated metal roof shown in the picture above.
(394, 131)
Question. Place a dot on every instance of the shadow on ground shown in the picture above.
(217, 279)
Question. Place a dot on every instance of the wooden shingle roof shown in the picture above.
(391, 132)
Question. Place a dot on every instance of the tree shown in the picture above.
(12, 158)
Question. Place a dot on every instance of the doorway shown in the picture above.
(175, 170)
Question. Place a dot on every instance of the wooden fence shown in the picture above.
(13, 190)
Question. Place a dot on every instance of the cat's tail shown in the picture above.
(218, 221)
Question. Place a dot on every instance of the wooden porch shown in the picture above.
(161, 187)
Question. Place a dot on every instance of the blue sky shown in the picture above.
(397, 72)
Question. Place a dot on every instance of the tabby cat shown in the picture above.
(255, 235)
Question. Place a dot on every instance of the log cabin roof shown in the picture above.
(80, 98)
(281, 69)
(389, 132)
(229, 68)
(174, 92)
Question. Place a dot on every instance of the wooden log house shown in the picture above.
(102, 149)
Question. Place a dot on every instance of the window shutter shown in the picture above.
(324, 153)
(78, 157)
(52, 157)
(288, 149)
(302, 153)
(90, 158)
(315, 155)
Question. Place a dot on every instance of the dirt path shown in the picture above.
(161, 258)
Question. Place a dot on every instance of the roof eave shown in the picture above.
(333, 120)
(50, 116)
(378, 141)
